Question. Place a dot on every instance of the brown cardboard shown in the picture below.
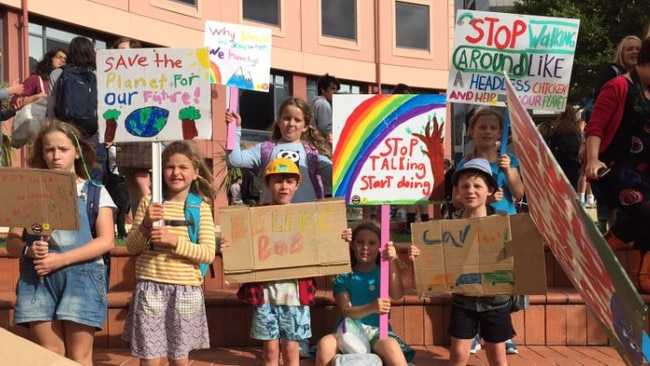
(31, 197)
(18, 351)
(493, 255)
(284, 241)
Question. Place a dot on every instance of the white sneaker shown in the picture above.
(511, 349)
(476, 344)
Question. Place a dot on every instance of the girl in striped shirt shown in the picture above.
(167, 314)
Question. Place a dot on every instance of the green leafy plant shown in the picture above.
(225, 175)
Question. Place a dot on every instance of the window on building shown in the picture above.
(339, 18)
(259, 110)
(188, 2)
(412, 25)
(264, 11)
(312, 88)
(43, 38)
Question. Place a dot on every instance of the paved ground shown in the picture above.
(432, 356)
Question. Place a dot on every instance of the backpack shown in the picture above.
(92, 211)
(192, 219)
(312, 165)
(76, 98)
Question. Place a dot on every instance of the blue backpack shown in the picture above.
(76, 98)
(192, 220)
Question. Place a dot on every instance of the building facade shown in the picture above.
(369, 45)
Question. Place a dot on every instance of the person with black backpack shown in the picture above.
(72, 98)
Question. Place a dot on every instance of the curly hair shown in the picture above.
(84, 147)
(364, 225)
(44, 67)
(204, 185)
(311, 136)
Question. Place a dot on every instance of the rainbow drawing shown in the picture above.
(366, 128)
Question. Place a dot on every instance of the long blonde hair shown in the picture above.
(203, 186)
(84, 148)
(311, 136)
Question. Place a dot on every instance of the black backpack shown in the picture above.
(76, 98)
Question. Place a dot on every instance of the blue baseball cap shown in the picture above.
(479, 165)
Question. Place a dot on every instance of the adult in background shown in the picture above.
(81, 54)
(617, 159)
(322, 105)
(565, 141)
(52, 59)
(623, 61)
(134, 158)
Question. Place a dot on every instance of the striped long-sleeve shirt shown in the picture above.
(177, 266)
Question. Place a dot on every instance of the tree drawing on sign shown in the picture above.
(434, 150)
(111, 117)
(188, 116)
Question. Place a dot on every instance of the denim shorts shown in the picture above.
(286, 323)
(75, 293)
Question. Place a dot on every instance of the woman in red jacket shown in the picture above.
(617, 158)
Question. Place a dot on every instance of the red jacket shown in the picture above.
(608, 111)
(253, 293)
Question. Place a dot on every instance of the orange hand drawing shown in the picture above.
(435, 151)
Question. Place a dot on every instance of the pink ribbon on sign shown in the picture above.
(232, 100)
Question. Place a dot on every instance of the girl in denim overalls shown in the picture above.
(61, 292)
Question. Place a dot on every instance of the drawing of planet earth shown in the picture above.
(146, 122)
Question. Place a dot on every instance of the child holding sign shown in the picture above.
(281, 316)
(61, 292)
(357, 295)
(488, 316)
(485, 128)
(295, 138)
(167, 314)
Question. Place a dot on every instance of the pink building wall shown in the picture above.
(298, 46)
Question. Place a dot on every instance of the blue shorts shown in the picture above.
(286, 323)
(75, 293)
(495, 326)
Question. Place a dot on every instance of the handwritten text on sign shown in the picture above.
(240, 55)
(284, 241)
(46, 198)
(471, 257)
(388, 148)
(536, 52)
(154, 94)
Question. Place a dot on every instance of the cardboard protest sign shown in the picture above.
(284, 241)
(479, 257)
(240, 55)
(537, 52)
(40, 200)
(575, 242)
(388, 148)
(154, 94)
(18, 351)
